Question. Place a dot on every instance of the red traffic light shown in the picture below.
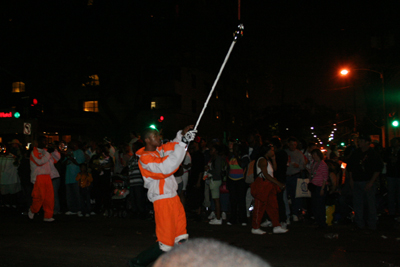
(34, 101)
(161, 118)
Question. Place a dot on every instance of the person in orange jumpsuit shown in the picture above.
(42, 164)
(158, 162)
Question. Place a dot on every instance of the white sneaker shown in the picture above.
(223, 216)
(87, 215)
(288, 221)
(31, 214)
(80, 214)
(284, 225)
(266, 223)
(48, 219)
(279, 230)
(244, 224)
(215, 221)
(70, 213)
(295, 218)
(211, 216)
(258, 231)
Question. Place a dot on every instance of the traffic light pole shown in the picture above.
(237, 34)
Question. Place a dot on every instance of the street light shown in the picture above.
(384, 132)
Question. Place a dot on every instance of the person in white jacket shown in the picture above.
(158, 163)
(41, 163)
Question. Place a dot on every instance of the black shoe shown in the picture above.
(146, 257)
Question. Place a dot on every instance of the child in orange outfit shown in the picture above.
(157, 164)
(84, 179)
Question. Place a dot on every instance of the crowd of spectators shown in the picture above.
(212, 181)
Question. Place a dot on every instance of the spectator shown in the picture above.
(74, 157)
(103, 164)
(55, 175)
(122, 157)
(84, 180)
(251, 152)
(134, 138)
(318, 182)
(196, 182)
(24, 173)
(214, 169)
(265, 166)
(364, 167)
(296, 164)
(392, 159)
(90, 150)
(10, 183)
(332, 197)
(237, 187)
(281, 158)
(137, 192)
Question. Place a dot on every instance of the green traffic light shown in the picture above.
(342, 144)
(153, 127)
(395, 123)
(17, 115)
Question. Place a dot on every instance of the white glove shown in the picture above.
(189, 136)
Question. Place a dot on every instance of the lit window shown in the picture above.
(153, 105)
(93, 81)
(18, 87)
(247, 93)
(91, 106)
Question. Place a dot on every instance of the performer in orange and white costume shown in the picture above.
(42, 167)
(157, 164)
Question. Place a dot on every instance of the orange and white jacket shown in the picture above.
(40, 163)
(157, 168)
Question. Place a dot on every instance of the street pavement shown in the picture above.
(106, 242)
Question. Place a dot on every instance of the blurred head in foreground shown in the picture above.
(202, 252)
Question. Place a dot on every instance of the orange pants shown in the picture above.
(270, 206)
(170, 220)
(43, 195)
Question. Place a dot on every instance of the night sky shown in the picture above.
(290, 49)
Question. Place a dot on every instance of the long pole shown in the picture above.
(385, 137)
(238, 33)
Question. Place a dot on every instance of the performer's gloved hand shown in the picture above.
(189, 136)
